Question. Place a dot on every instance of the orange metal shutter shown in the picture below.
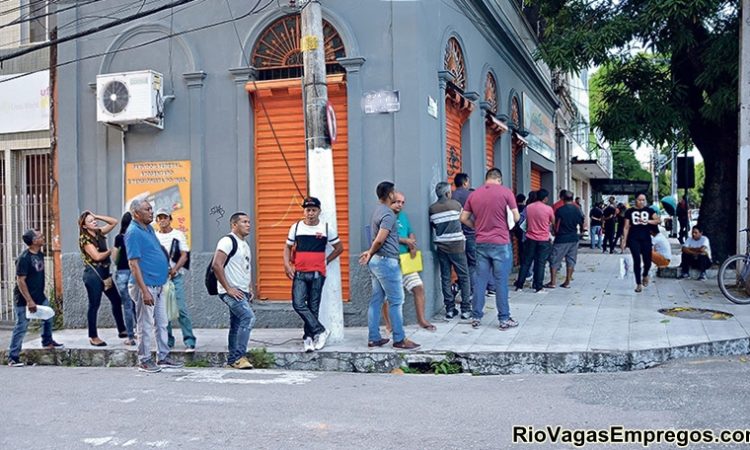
(491, 138)
(277, 204)
(536, 179)
(455, 117)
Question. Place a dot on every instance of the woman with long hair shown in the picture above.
(637, 237)
(122, 275)
(97, 278)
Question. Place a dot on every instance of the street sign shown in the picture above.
(380, 102)
(331, 122)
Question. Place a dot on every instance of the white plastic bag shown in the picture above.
(625, 265)
(42, 313)
(170, 297)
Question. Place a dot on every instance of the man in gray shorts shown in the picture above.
(567, 220)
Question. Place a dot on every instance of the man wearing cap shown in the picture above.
(305, 264)
(174, 243)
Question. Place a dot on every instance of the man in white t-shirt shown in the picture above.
(174, 243)
(696, 254)
(307, 269)
(661, 253)
(231, 265)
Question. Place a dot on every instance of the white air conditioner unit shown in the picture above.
(130, 98)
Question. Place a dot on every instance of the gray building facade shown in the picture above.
(212, 120)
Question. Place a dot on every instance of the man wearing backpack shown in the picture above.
(307, 269)
(231, 266)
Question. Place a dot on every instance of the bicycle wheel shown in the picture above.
(734, 279)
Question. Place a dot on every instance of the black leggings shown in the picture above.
(609, 238)
(640, 249)
(94, 289)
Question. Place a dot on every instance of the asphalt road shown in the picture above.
(61, 408)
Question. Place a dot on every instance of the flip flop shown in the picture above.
(566, 286)
(549, 286)
(430, 327)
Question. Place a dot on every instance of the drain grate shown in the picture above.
(696, 313)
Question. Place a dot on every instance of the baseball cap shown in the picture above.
(311, 202)
(163, 212)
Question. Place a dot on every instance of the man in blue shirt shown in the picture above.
(149, 268)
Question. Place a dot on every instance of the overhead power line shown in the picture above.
(90, 31)
(143, 44)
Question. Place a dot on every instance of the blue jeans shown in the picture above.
(307, 288)
(241, 321)
(386, 282)
(128, 306)
(186, 325)
(596, 237)
(19, 331)
(493, 260)
(457, 261)
(471, 258)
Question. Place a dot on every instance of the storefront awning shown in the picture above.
(588, 168)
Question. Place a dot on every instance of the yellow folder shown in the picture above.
(409, 264)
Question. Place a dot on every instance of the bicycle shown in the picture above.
(734, 276)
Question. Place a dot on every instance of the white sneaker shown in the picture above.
(320, 340)
(308, 344)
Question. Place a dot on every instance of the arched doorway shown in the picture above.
(279, 115)
(457, 107)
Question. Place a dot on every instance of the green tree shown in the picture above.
(670, 67)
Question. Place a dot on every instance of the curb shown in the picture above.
(476, 363)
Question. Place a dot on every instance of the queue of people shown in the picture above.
(472, 232)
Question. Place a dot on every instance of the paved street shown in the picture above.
(217, 408)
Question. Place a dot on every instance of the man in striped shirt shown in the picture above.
(450, 241)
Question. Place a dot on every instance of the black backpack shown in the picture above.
(212, 284)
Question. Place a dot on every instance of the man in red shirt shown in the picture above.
(489, 206)
(559, 203)
(539, 218)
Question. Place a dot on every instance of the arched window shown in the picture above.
(490, 92)
(277, 55)
(454, 63)
(515, 112)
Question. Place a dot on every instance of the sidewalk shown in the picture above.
(600, 324)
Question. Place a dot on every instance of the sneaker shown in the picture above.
(320, 340)
(169, 363)
(129, 342)
(702, 276)
(684, 275)
(509, 323)
(519, 288)
(15, 363)
(406, 345)
(639, 288)
(190, 349)
(466, 315)
(241, 364)
(379, 343)
(149, 367)
(475, 323)
(451, 314)
(540, 291)
(54, 345)
(490, 293)
(307, 344)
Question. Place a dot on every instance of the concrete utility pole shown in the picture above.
(319, 154)
(743, 163)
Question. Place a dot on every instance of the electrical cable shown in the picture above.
(262, 104)
(136, 46)
(33, 48)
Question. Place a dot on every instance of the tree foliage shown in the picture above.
(668, 68)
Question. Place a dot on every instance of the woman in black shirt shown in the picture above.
(120, 256)
(637, 237)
